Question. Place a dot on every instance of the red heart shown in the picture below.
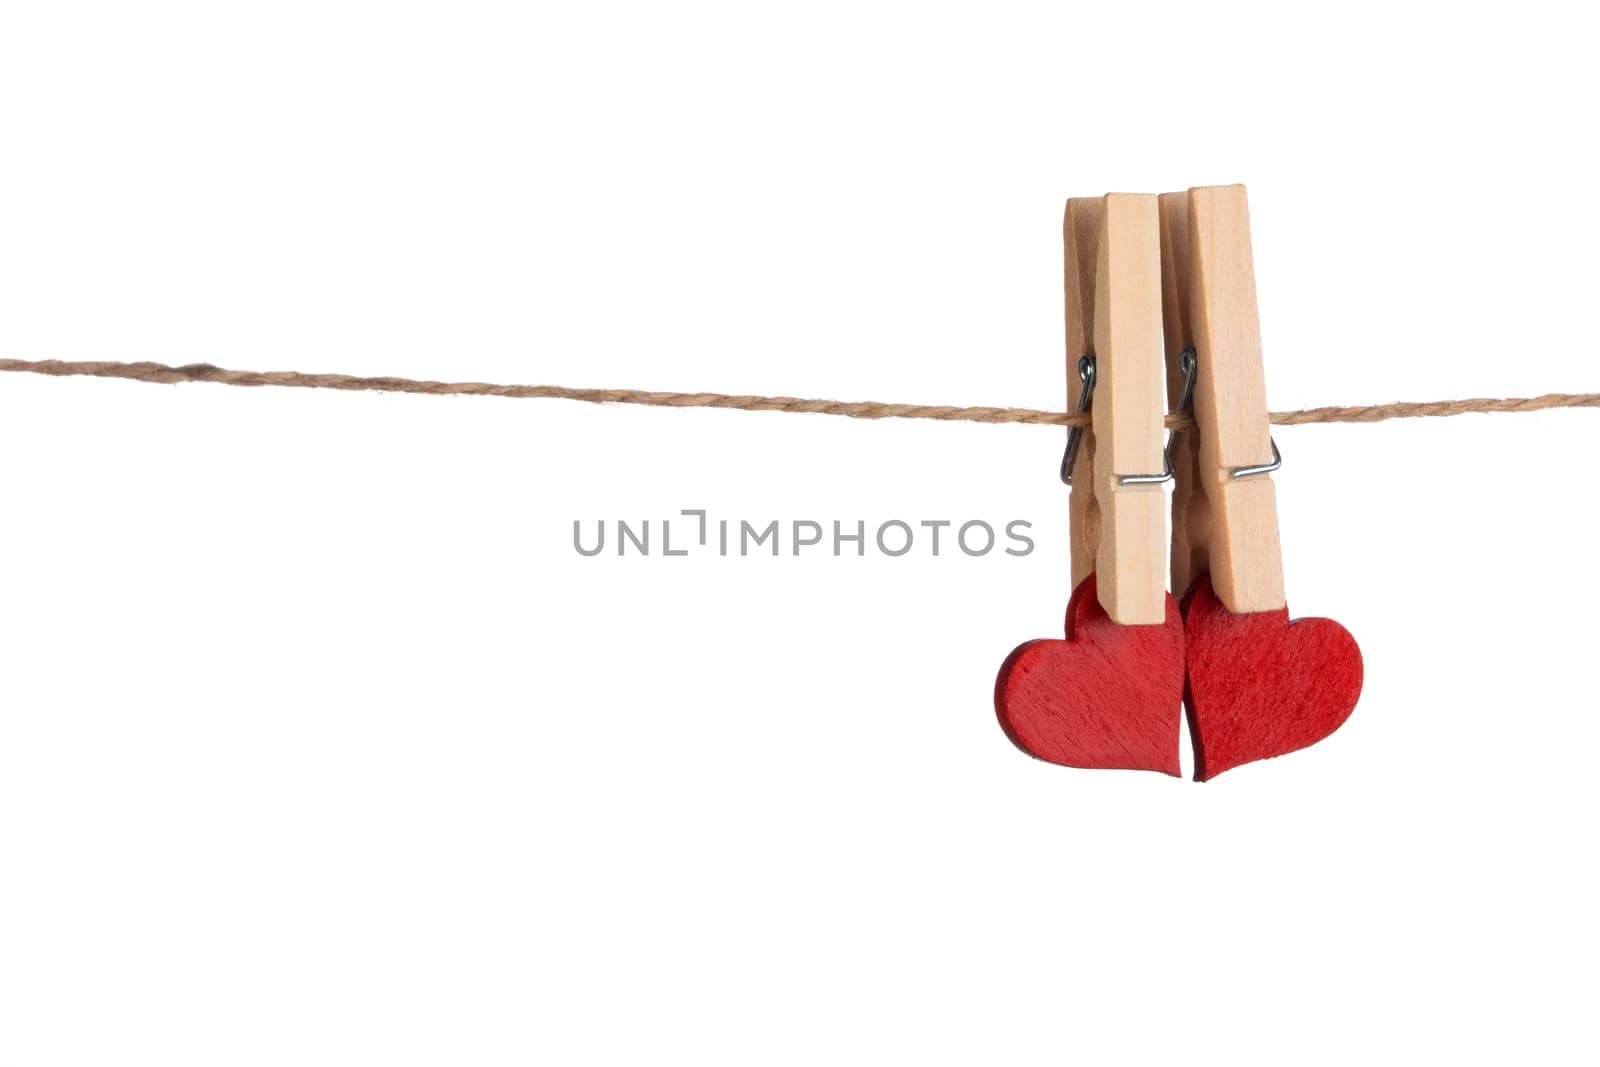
(1262, 686)
(1108, 696)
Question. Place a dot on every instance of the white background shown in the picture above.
(319, 744)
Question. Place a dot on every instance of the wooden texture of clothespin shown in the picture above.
(1113, 300)
(1222, 524)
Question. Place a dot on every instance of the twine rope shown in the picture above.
(163, 374)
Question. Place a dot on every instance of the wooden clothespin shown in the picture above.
(1114, 369)
(1224, 510)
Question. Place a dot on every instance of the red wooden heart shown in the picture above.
(1262, 686)
(1108, 696)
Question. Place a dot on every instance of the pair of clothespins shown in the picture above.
(1175, 272)
(1161, 303)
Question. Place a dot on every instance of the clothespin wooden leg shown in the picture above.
(1230, 403)
(1129, 404)
(1191, 518)
(1258, 686)
(1085, 216)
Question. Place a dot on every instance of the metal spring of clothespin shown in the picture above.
(1190, 367)
(1075, 433)
(1086, 374)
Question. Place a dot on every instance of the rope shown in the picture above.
(163, 374)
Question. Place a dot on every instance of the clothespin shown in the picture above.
(1224, 505)
(1114, 371)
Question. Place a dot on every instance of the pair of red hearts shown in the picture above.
(1109, 696)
